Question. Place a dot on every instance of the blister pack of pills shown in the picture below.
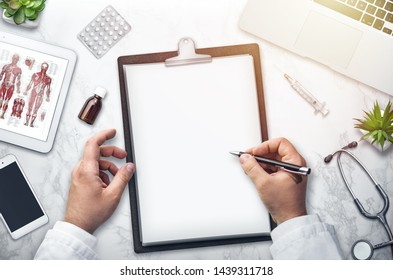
(104, 31)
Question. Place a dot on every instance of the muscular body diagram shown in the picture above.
(10, 75)
(40, 83)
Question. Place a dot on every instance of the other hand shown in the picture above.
(93, 197)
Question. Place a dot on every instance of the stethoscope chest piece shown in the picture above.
(362, 250)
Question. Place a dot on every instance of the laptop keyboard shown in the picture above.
(374, 13)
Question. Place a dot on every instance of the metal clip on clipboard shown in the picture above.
(187, 55)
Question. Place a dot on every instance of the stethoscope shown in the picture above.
(363, 249)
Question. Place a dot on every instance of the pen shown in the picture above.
(285, 166)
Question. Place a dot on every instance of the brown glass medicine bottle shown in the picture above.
(92, 106)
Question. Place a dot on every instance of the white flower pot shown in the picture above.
(386, 146)
(27, 23)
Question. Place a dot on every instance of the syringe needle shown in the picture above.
(306, 95)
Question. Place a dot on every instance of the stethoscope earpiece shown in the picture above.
(328, 159)
(351, 145)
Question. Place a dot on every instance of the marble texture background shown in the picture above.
(157, 26)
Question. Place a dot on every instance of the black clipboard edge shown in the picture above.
(251, 49)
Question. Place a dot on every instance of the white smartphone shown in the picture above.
(19, 206)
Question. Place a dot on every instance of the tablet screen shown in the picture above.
(30, 84)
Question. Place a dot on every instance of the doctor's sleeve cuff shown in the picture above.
(67, 242)
(305, 237)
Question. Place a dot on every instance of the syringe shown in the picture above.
(318, 106)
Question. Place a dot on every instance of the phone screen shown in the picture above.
(18, 204)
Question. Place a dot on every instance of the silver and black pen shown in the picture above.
(301, 170)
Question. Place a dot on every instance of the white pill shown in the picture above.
(116, 28)
(104, 48)
(121, 32)
(110, 33)
(115, 38)
(95, 38)
(110, 42)
(103, 14)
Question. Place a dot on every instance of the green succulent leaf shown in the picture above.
(7, 14)
(10, 11)
(40, 7)
(3, 5)
(33, 17)
(29, 12)
(19, 16)
(381, 142)
(377, 111)
(30, 5)
(15, 4)
(37, 4)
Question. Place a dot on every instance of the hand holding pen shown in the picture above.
(293, 168)
(282, 192)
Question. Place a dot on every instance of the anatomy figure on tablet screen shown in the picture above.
(41, 83)
(17, 108)
(11, 74)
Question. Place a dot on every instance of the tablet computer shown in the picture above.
(34, 81)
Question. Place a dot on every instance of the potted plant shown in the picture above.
(22, 12)
(377, 126)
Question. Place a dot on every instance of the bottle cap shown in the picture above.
(101, 92)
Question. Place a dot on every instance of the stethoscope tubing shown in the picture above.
(381, 215)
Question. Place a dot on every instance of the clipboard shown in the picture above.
(188, 60)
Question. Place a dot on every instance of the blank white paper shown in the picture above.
(185, 121)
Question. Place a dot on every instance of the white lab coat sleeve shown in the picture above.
(67, 242)
(305, 237)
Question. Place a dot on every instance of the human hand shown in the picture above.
(283, 193)
(93, 197)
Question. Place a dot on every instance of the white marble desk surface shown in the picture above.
(157, 26)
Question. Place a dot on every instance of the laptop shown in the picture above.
(352, 37)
